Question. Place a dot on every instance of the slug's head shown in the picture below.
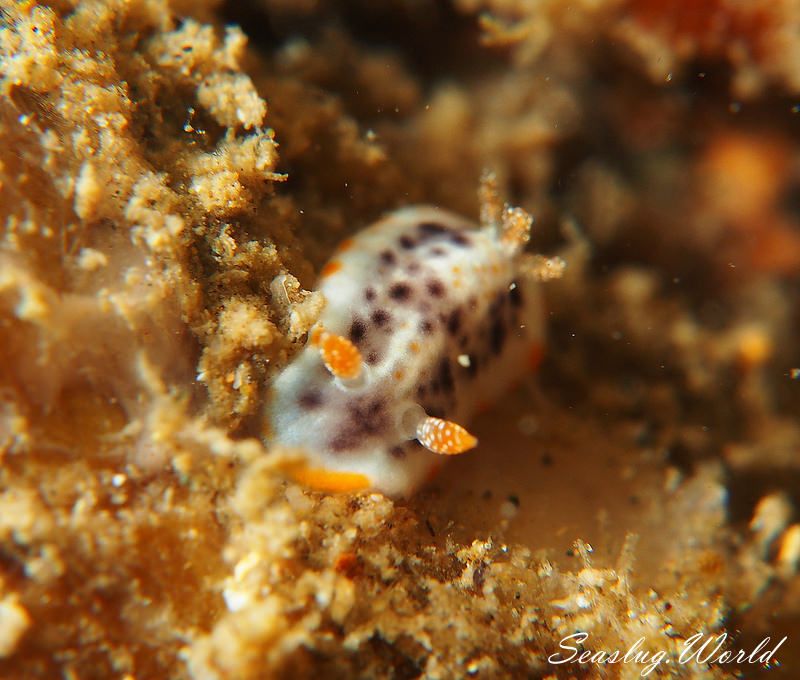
(355, 431)
(345, 364)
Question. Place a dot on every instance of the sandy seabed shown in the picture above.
(162, 163)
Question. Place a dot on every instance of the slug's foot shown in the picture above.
(335, 481)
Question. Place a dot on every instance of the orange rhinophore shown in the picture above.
(444, 436)
(341, 356)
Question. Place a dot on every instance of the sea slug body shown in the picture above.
(428, 317)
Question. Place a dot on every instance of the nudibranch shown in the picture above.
(428, 317)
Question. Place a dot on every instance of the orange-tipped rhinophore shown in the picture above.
(341, 356)
(444, 436)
